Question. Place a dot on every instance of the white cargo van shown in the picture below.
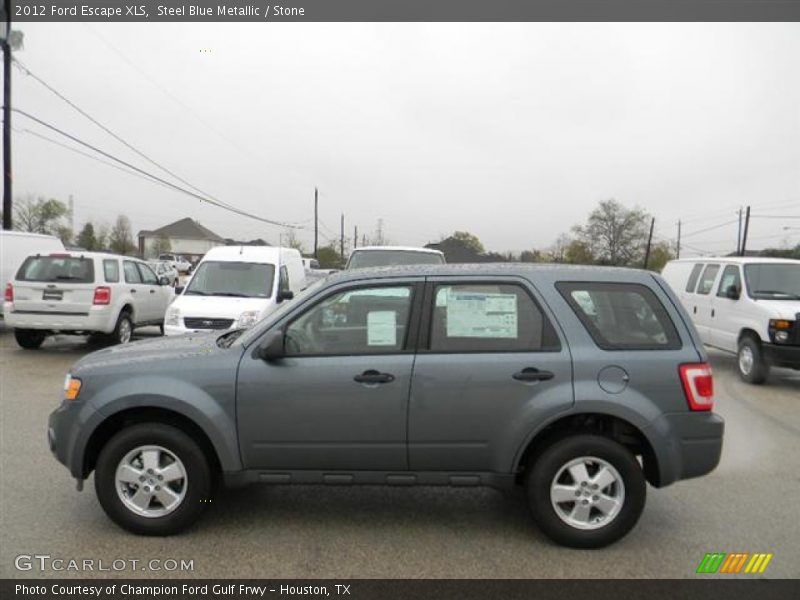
(235, 286)
(16, 246)
(747, 306)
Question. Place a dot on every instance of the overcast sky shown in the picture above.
(511, 131)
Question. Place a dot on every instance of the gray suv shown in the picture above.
(579, 383)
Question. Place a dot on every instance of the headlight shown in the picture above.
(781, 336)
(72, 387)
(248, 318)
(172, 317)
(780, 330)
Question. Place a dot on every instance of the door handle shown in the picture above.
(373, 376)
(152, 291)
(133, 291)
(695, 310)
(712, 312)
(533, 374)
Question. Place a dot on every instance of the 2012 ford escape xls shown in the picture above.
(579, 383)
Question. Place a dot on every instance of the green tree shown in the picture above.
(616, 235)
(65, 234)
(329, 257)
(40, 215)
(531, 256)
(469, 240)
(578, 252)
(660, 255)
(86, 238)
(120, 240)
(162, 245)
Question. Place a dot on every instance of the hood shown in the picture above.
(157, 351)
(781, 309)
(222, 307)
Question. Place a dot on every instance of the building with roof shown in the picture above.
(186, 237)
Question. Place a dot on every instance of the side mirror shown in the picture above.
(285, 295)
(163, 280)
(272, 348)
(732, 292)
(178, 289)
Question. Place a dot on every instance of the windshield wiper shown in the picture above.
(229, 294)
(195, 293)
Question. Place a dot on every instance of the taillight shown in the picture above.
(102, 295)
(698, 385)
(9, 297)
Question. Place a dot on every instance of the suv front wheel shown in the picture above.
(586, 491)
(153, 479)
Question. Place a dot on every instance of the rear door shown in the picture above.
(154, 296)
(489, 364)
(56, 284)
(135, 287)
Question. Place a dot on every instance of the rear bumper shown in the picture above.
(782, 356)
(692, 445)
(98, 318)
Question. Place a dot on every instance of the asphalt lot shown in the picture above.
(749, 504)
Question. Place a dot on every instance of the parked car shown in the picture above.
(432, 375)
(164, 268)
(235, 286)
(389, 256)
(16, 246)
(83, 293)
(747, 306)
(179, 262)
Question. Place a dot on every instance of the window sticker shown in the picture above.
(382, 328)
(481, 315)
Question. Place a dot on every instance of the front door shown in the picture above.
(726, 318)
(339, 398)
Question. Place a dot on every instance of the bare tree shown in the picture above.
(120, 240)
(616, 235)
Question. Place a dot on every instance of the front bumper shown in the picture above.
(782, 356)
(692, 445)
(62, 434)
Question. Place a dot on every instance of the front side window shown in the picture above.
(53, 269)
(621, 316)
(730, 279)
(707, 281)
(774, 281)
(131, 272)
(488, 318)
(111, 270)
(148, 276)
(234, 279)
(362, 321)
(695, 275)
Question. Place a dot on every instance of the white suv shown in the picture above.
(84, 293)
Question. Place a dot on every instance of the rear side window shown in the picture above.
(621, 316)
(74, 269)
(111, 270)
(489, 318)
(707, 281)
(148, 276)
(694, 277)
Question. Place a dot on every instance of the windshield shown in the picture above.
(235, 279)
(773, 281)
(57, 268)
(388, 258)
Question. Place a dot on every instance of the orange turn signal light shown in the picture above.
(781, 324)
(73, 389)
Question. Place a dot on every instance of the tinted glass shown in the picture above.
(236, 279)
(364, 321)
(148, 276)
(111, 270)
(387, 258)
(694, 277)
(131, 272)
(730, 277)
(707, 281)
(57, 268)
(774, 281)
(488, 318)
(621, 316)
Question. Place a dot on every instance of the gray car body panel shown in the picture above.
(194, 377)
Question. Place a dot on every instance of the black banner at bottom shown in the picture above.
(391, 589)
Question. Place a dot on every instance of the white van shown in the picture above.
(16, 246)
(235, 286)
(747, 306)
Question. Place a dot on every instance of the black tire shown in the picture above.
(118, 336)
(544, 468)
(759, 369)
(161, 327)
(30, 339)
(198, 481)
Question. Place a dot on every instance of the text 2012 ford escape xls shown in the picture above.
(579, 383)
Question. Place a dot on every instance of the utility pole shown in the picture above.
(746, 228)
(355, 237)
(316, 223)
(341, 238)
(679, 240)
(649, 241)
(6, 45)
(739, 235)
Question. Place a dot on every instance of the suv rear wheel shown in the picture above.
(586, 491)
(123, 331)
(750, 361)
(153, 479)
(30, 339)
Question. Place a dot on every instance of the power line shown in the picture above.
(711, 228)
(155, 177)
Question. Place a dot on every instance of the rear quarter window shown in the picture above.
(621, 316)
(111, 270)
